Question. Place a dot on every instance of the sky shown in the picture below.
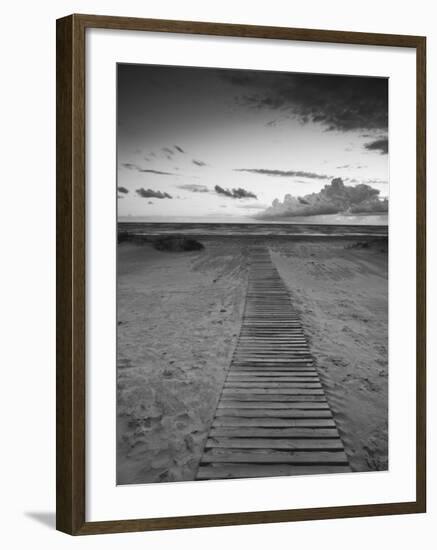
(202, 144)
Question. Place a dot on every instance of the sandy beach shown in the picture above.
(341, 291)
(178, 321)
(179, 317)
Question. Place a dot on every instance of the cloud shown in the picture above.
(195, 188)
(380, 145)
(168, 150)
(370, 207)
(238, 193)
(375, 181)
(356, 166)
(146, 193)
(336, 102)
(131, 166)
(252, 206)
(120, 197)
(222, 191)
(334, 198)
(283, 173)
(121, 189)
(199, 162)
(179, 149)
(159, 172)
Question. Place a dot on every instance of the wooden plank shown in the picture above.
(272, 375)
(278, 367)
(271, 332)
(274, 422)
(271, 357)
(277, 331)
(277, 355)
(276, 352)
(273, 350)
(288, 368)
(276, 433)
(301, 370)
(266, 317)
(271, 341)
(234, 403)
(272, 329)
(289, 362)
(276, 362)
(260, 338)
(249, 385)
(272, 354)
(278, 375)
(273, 322)
(274, 397)
(269, 325)
(272, 336)
(272, 345)
(234, 471)
(285, 391)
(269, 443)
(273, 360)
(266, 378)
(280, 313)
(271, 367)
(275, 457)
(262, 311)
(258, 367)
(273, 413)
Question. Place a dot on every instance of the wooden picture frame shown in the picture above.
(71, 248)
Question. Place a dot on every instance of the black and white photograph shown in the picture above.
(252, 274)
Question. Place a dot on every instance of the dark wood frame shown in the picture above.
(70, 298)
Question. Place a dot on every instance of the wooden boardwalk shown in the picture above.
(272, 417)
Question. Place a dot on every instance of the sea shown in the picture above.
(300, 230)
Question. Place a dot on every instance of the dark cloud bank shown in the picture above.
(148, 193)
(131, 166)
(238, 193)
(283, 173)
(380, 145)
(334, 198)
(199, 162)
(336, 102)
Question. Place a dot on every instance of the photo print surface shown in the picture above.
(252, 274)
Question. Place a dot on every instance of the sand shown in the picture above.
(341, 292)
(179, 316)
